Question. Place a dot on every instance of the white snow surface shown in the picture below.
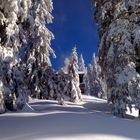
(46, 120)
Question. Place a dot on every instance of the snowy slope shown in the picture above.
(89, 120)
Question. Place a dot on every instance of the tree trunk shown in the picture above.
(139, 113)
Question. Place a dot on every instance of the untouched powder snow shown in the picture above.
(46, 120)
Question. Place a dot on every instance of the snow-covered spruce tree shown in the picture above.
(134, 18)
(10, 42)
(86, 81)
(74, 76)
(20, 86)
(63, 87)
(117, 55)
(89, 85)
(82, 67)
(38, 39)
(97, 81)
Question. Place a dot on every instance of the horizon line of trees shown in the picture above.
(23, 26)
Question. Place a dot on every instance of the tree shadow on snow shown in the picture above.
(69, 121)
(67, 125)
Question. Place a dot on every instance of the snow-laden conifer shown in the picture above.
(74, 76)
(95, 85)
(38, 38)
(81, 64)
(10, 42)
(117, 50)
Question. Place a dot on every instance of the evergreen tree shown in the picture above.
(81, 64)
(23, 23)
(86, 82)
(74, 76)
(11, 40)
(95, 82)
(89, 86)
(94, 66)
(38, 38)
(98, 85)
(134, 14)
(117, 55)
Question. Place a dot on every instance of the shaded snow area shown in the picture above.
(46, 120)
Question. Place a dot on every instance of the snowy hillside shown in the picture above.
(46, 120)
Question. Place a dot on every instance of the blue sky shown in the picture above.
(73, 25)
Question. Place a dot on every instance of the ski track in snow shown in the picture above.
(46, 120)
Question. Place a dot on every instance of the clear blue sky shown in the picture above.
(73, 24)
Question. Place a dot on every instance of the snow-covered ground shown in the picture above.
(46, 120)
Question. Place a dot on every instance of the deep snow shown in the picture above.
(46, 120)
